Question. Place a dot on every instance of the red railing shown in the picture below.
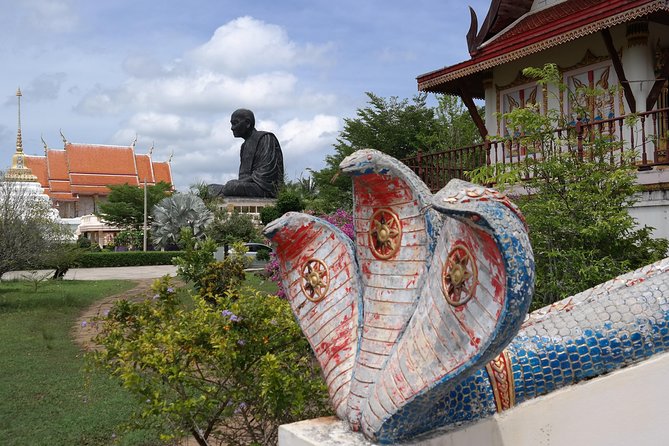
(645, 134)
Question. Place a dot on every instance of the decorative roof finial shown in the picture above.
(19, 140)
(134, 141)
(171, 155)
(44, 144)
(151, 149)
(19, 170)
(63, 136)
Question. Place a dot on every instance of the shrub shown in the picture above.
(131, 258)
(230, 372)
(576, 204)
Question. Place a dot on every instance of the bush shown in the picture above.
(228, 373)
(576, 205)
(131, 258)
(287, 200)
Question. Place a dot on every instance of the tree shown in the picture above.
(575, 205)
(291, 198)
(178, 211)
(454, 126)
(228, 228)
(397, 127)
(29, 230)
(125, 204)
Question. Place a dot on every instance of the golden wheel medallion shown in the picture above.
(460, 276)
(385, 234)
(315, 279)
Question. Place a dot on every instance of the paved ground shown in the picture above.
(121, 272)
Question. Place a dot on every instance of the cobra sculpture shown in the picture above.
(420, 321)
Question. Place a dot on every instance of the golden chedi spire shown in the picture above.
(19, 171)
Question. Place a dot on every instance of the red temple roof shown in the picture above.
(144, 168)
(37, 164)
(87, 169)
(163, 172)
(532, 33)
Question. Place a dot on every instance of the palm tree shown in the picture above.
(179, 211)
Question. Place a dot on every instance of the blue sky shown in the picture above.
(172, 72)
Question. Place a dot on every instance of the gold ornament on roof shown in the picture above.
(19, 171)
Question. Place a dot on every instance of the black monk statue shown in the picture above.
(261, 166)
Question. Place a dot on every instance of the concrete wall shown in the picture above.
(627, 407)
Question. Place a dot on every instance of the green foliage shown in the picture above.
(61, 257)
(289, 199)
(131, 239)
(84, 242)
(125, 204)
(230, 372)
(130, 258)
(454, 127)
(28, 228)
(174, 213)
(397, 127)
(575, 207)
(197, 265)
(268, 214)
(228, 228)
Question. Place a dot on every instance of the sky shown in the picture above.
(169, 73)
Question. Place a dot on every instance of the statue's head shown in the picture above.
(242, 123)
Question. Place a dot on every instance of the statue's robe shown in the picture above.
(260, 168)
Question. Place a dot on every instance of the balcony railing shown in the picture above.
(643, 136)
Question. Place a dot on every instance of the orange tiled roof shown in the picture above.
(57, 165)
(89, 179)
(163, 172)
(144, 168)
(62, 196)
(60, 186)
(90, 190)
(110, 160)
(37, 164)
(88, 169)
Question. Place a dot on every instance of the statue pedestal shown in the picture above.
(628, 406)
(247, 205)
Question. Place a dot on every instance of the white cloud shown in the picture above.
(303, 136)
(246, 45)
(184, 105)
(168, 126)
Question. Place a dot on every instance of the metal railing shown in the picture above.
(643, 137)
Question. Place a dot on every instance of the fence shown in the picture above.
(645, 135)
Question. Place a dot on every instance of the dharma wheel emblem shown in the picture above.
(315, 279)
(460, 276)
(385, 234)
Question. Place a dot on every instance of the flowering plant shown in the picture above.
(225, 369)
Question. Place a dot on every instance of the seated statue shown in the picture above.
(261, 166)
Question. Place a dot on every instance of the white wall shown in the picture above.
(627, 407)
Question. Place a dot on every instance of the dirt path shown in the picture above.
(85, 329)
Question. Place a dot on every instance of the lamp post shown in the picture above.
(145, 206)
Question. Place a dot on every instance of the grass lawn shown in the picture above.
(46, 396)
(259, 283)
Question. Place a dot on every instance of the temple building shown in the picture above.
(618, 47)
(76, 178)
